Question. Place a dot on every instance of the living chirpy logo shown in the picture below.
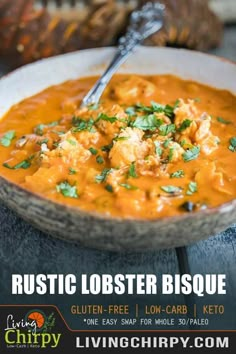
(34, 330)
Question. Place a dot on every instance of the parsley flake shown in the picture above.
(23, 164)
(192, 188)
(223, 121)
(72, 171)
(39, 129)
(67, 190)
(128, 186)
(100, 159)
(191, 154)
(103, 176)
(158, 148)
(103, 116)
(109, 188)
(7, 138)
(81, 124)
(184, 125)
(177, 174)
(232, 146)
(147, 122)
(171, 189)
(132, 171)
(166, 129)
(167, 142)
(93, 151)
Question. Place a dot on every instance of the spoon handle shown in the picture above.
(143, 23)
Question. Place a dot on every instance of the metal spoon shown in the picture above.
(143, 23)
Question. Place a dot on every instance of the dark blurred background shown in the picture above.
(34, 29)
(30, 30)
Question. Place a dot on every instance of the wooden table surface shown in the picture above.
(24, 249)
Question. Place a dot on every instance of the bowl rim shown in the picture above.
(220, 209)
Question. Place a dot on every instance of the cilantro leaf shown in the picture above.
(166, 129)
(132, 171)
(191, 154)
(103, 116)
(223, 121)
(93, 151)
(167, 142)
(67, 190)
(71, 142)
(40, 127)
(171, 189)
(171, 154)
(103, 176)
(184, 125)
(192, 188)
(177, 174)
(100, 159)
(130, 111)
(128, 186)
(23, 164)
(232, 146)
(158, 148)
(72, 171)
(107, 148)
(7, 138)
(109, 188)
(147, 122)
(81, 124)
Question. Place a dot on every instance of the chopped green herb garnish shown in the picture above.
(167, 142)
(191, 154)
(40, 128)
(7, 138)
(148, 122)
(23, 164)
(109, 188)
(121, 138)
(100, 159)
(58, 132)
(72, 171)
(130, 111)
(154, 108)
(67, 190)
(197, 99)
(184, 125)
(183, 142)
(223, 121)
(103, 176)
(128, 186)
(107, 148)
(158, 148)
(232, 146)
(171, 154)
(171, 189)
(177, 174)
(192, 188)
(166, 129)
(71, 141)
(81, 124)
(93, 151)
(103, 116)
(132, 171)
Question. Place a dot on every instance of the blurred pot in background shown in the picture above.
(34, 29)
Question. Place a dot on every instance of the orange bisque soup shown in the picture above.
(155, 146)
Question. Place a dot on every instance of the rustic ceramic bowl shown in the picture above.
(98, 230)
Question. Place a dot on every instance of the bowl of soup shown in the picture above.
(151, 166)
